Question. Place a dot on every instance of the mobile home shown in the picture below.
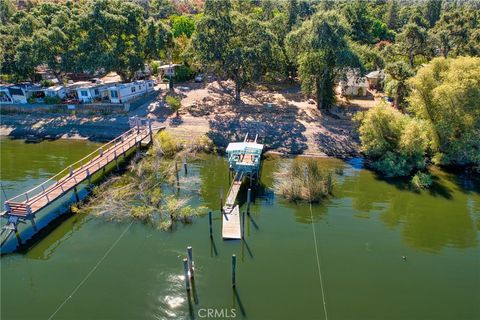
(5, 96)
(123, 92)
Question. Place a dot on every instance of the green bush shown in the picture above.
(52, 100)
(395, 143)
(46, 83)
(421, 180)
(183, 73)
(174, 102)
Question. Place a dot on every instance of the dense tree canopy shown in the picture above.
(446, 94)
(235, 45)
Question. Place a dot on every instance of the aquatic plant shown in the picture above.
(142, 192)
(303, 179)
(421, 180)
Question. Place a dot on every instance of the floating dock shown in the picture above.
(244, 160)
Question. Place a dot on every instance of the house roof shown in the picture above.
(243, 146)
(377, 74)
(168, 66)
(55, 88)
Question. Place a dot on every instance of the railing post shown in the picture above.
(71, 170)
(101, 151)
(26, 195)
(138, 124)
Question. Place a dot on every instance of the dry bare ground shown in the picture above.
(286, 121)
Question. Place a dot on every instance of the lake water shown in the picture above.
(90, 268)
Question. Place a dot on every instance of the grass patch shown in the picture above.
(303, 179)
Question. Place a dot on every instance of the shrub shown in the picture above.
(183, 73)
(46, 83)
(175, 103)
(303, 180)
(166, 144)
(421, 180)
(52, 100)
(396, 143)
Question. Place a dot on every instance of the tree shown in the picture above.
(112, 42)
(413, 42)
(158, 38)
(456, 33)
(321, 51)
(396, 143)
(432, 11)
(182, 25)
(446, 94)
(236, 45)
(360, 22)
(162, 9)
(391, 18)
(396, 83)
(292, 13)
(6, 11)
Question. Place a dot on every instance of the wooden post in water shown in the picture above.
(221, 200)
(185, 271)
(234, 267)
(249, 198)
(75, 191)
(190, 260)
(185, 167)
(243, 224)
(210, 223)
(176, 175)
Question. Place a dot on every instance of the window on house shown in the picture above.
(84, 93)
(114, 94)
(96, 92)
(139, 87)
(133, 89)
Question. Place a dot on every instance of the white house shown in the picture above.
(56, 91)
(354, 85)
(168, 70)
(5, 96)
(375, 79)
(123, 92)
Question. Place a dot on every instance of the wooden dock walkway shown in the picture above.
(231, 212)
(231, 224)
(27, 204)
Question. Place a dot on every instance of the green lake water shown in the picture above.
(90, 268)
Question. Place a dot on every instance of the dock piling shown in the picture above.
(185, 167)
(243, 224)
(210, 223)
(75, 191)
(249, 197)
(176, 175)
(234, 266)
(221, 200)
(185, 271)
(190, 261)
